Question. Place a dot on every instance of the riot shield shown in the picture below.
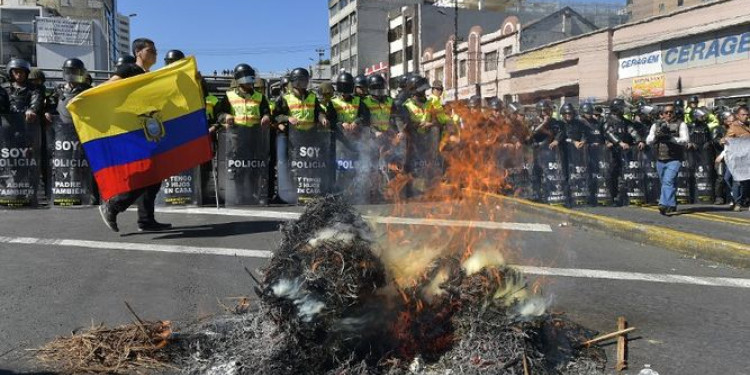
(19, 164)
(600, 164)
(633, 178)
(354, 165)
(182, 189)
(309, 163)
(578, 174)
(517, 163)
(554, 182)
(72, 183)
(684, 183)
(247, 158)
(422, 160)
(652, 184)
(702, 161)
(389, 153)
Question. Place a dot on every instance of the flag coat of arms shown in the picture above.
(138, 131)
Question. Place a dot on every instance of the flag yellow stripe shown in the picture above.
(116, 108)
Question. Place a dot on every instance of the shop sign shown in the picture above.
(706, 49)
(649, 86)
(542, 57)
(640, 62)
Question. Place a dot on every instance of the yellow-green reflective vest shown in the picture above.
(211, 102)
(303, 111)
(346, 111)
(417, 113)
(435, 105)
(380, 113)
(245, 108)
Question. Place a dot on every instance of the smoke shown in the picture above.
(307, 305)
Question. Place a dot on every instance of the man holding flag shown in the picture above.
(139, 129)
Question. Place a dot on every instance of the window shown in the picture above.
(344, 45)
(680, 3)
(395, 58)
(353, 60)
(409, 25)
(440, 73)
(661, 7)
(490, 61)
(345, 65)
(333, 10)
(353, 19)
(462, 69)
(629, 2)
(395, 34)
(353, 41)
(343, 4)
(409, 53)
(344, 25)
(334, 30)
(334, 69)
(335, 50)
(507, 51)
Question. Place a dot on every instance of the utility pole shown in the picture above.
(455, 50)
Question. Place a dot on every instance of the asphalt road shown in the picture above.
(62, 269)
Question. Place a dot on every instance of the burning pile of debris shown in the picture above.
(327, 305)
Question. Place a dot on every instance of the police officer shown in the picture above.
(700, 153)
(721, 190)
(145, 52)
(123, 60)
(24, 96)
(352, 114)
(244, 106)
(595, 130)
(74, 75)
(622, 135)
(360, 86)
(574, 130)
(420, 125)
(519, 126)
(547, 128)
(669, 135)
(679, 108)
(404, 93)
(299, 107)
(381, 107)
(172, 56)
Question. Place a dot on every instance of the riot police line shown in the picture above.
(356, 143)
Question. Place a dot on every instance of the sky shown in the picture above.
(271, 35)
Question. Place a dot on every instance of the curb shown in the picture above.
(732, 253)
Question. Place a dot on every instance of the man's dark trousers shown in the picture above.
(145, 196)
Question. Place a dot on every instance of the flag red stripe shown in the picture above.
(145, 172)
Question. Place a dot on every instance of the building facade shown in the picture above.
(123, 35)
(637, 10)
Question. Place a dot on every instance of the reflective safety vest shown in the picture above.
(435, 105)
(245, 108)
(380, 113)
(303, 111)
(346, 111)
(211, 102)
(417, 113)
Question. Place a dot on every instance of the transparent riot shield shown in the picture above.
(71, 180)
(422, 160)
(600, 164)
(647, 159)
(702, 161)
(247, 162)
(389, 156)
(633, 178)
(354, 165)
(554, 184)
(19, 163)
(578, 174)
(309, 162)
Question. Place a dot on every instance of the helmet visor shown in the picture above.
(246, 80)
(300, 83)
(74, 75)
(379, 92)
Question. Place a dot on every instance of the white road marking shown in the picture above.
(529, 270)
(134, 246)
(636, 276)
(281, 215)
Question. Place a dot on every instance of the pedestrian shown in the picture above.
(669, 135)
(145, 54)
(739, 128)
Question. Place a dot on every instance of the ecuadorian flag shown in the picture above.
(138, 131)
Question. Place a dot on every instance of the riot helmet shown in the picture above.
(300, 78)
(325, 91)
(515, 108)
(646, 110)
(617, 106)
(345, 83)
(679, 104)
(360, 81)
(693, 100)
(475, 102)
(495, 104)
(544, 106)
(19, 64)
(420, 85)
(402, 81)
(284, 83)
(377, 86)
(172, 56)
(568, 109)
(437, 85)
(587, 109)
(125, 59)
(37, 75)
(701, 114)
(74, 71)
(244, 74)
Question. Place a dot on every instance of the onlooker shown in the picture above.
(739, 128)
(670, 135)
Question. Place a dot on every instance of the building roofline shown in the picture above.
(672, 13)
(561, 41)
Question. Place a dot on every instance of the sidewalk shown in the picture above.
(704, 231)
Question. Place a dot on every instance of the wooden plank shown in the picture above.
(622, 345)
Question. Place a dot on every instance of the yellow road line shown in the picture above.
(710, 217)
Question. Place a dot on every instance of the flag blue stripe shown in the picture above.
(133, 146)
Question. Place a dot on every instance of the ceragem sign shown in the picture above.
(685, 53)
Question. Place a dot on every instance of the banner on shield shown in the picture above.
(19, 166)
(247, 159)
(72, 181)
(309, 162)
